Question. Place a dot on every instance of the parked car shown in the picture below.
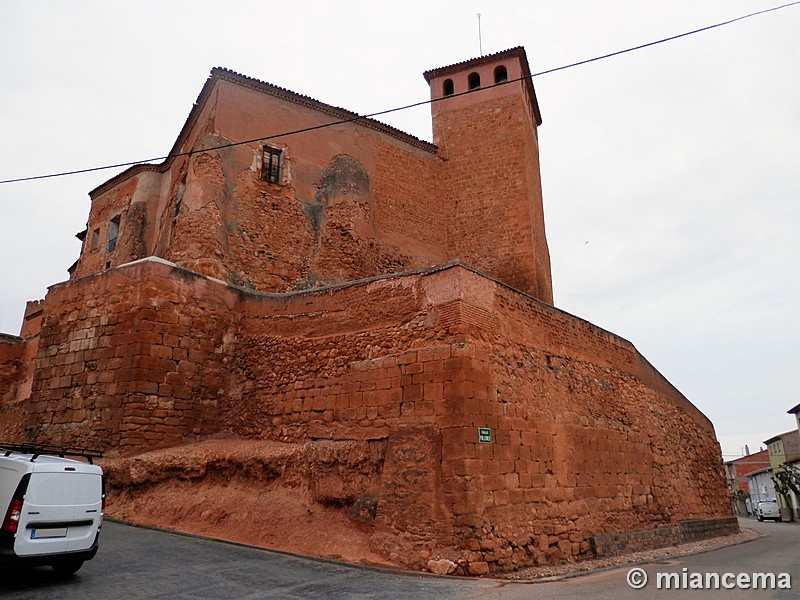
(768, 509)
(52, 506)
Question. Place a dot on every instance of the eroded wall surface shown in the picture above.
(586, 437)
(351, 202)
(12, 367)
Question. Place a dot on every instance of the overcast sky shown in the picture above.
(670, 174)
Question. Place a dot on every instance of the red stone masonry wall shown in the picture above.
(587, 438)
(497, 223)
(95, 255)
(131, 359)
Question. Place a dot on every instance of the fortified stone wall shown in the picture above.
(586, 438)
(132, 358)
(590, 438)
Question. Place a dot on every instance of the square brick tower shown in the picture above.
(485, 119)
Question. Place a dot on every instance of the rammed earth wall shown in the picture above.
(587, 438)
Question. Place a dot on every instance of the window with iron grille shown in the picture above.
(113, 232)
(271, 165)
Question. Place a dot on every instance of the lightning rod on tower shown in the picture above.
(480, 42)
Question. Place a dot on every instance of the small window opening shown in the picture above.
(271, 165)
(113, 232)
(474, 81)
(500, 74)
(95, 239)
(447, 87)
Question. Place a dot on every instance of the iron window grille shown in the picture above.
(113, 232)
(271, 165)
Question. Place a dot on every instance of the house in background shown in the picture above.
(796, 412)
(784, 449)
(737, 472)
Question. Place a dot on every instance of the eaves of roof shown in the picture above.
(222, 74)
(755, 473)
(761, 457)
(780, 436)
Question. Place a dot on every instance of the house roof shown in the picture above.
(794, 410)
(758, 472)
(781, 436)
(221, 74)
(791, 445)
(518, 52)
(760, 457)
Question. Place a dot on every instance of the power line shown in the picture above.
(669, 39)
(406, 107)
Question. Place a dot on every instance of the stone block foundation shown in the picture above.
(671, 535)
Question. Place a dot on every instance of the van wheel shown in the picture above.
(760, 519)
(67, 567)
(779, 519)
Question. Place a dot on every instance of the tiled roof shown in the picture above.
(786, 434)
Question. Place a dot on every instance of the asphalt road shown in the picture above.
(138, 563)
(135, 563)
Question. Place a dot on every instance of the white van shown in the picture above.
(51, 506)
(768, 509)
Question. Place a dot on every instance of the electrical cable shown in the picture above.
(406, 107)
